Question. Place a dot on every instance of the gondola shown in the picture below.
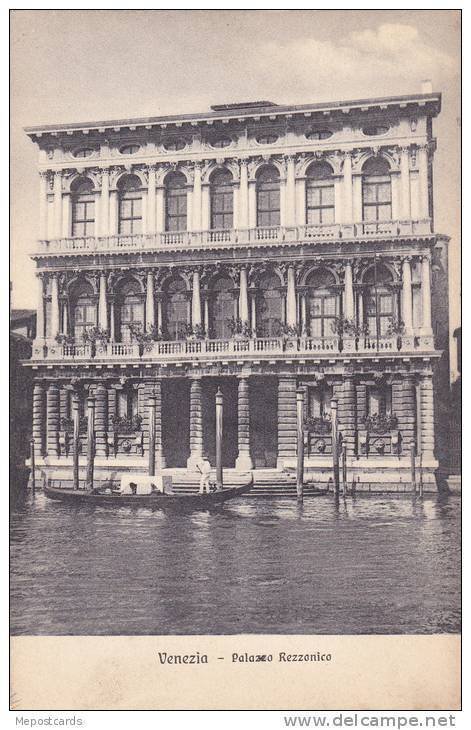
(155, 500)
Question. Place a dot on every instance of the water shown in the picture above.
(370, 565)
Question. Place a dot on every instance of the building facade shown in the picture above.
(257, 248)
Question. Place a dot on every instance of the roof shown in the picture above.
(247, 110)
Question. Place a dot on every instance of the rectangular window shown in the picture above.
(130, 216)
(379, 401)
(377, 200)
(319, 402)
(176, 210)
(83, 218)
(320, 204)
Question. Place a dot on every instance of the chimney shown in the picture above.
(426, 86)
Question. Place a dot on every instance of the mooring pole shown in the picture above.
(412, 466)
(344, 468)
(219, 427)
(152, 402)
(76, 440)
(300, 444)
(335, 445)
(90, 441)
(33, 468)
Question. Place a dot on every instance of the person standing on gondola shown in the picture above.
(204, 467)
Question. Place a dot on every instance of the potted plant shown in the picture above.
(93, 335)
(239, 328)
(144, 339)
(64, 339)
(395, 327)
(380, 422)
(318, 424)
(127, 424)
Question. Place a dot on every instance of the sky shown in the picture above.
(85, 65)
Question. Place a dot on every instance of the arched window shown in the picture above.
(176, 309)
(175, 208)
(130, 205)
(379, 303)
(268, 197)
(83, 310)
(320, 194)
(83, 208)
(322, 304)
(376, 190)
(222, 308)
(130, 310)
(269, 307)
(222, 200)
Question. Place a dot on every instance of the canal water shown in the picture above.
(367, 565)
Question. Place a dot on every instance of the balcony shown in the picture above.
(261, 236)
(278, 348)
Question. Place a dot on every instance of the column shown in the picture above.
(40, 310)
(291, 314)
(243, 221)
(113, 220)
(197, 202)
(43, 205)
(196, 423)
(407, 296)
(426, 286)
(244, 460)
(151, 200)
(347, 414)
(253, 303)
(347, 197)
(57, 204)
(422, 158)
(206, 314)
(304, 322)
(112, 322)
(405, 184)
(54, 307)
(427, 417)
(101, 419)
(300, 186)
(160, 209)
(102, 303)
(287, 423)
(243, 296)
(150, 302)
(290, 195)
(196, 301)
(252, 203)
(52, 416)
(205, 207)
(38, 419)
(66, 230)
(348, 304)
(105, 203)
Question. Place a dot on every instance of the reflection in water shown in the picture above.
(364, 565)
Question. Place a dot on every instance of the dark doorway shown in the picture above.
(229, 442)
(176, 421)
(264, 421)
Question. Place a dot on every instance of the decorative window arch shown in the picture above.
(221, 307)
(130, 205)
(176, 308)
(175, 202)
(269, 306)
(130, 310)
(268, 196)
(376, 189)
(320, 194)
(222, 199)
(380, 300)
(322, 303)
(83, 207)
(83, 309)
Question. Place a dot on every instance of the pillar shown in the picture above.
(54, 307)
(287, 424)
(291, 313)
(349, 302)
(244, 460)
(196, 301)
(196, 423)
(347, 189)
(347, 413)
(427, 417)
(405, 184)
(160, 209)
(407, 296)
(102, 303)
(243, 296)
(101, 419)
(52, 415)
(57, 205)
(252, 203)
(151, 200)
(290, 194)
(38, 419)
(205, 208)
(243, 221)
(150, 302)
(300, 185)
(426, 283)
(66, 229)
(40, 310)
(253, 323)
(113, 219)
(197, 201)
(42, 206)
(422, 158)
(105, 203)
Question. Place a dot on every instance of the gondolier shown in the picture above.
(204, 467)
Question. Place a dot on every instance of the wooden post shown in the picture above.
(344, 468)
(90, 441)
(76, 439)
(300, 444)
(335, 444)
(412, 466)
(33, 468)
(219, 432)
(152, 435)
